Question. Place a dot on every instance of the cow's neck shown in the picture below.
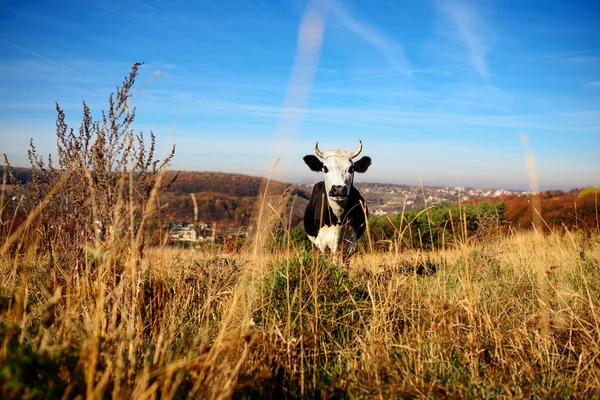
(337, 207)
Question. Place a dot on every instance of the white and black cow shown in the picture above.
(336, 215)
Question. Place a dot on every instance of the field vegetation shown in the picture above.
(446, 302)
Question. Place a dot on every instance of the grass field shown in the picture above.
(508, 316)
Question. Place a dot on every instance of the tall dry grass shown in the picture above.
(512, 315)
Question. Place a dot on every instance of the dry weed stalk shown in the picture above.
(99, 162)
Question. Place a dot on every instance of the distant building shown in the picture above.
(183, 233)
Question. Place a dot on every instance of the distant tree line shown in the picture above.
(235, 185)
(22, 175)
(212, 207)
(575, 209)
(230, 199)
(436, 226)
(227, 199)
(444, 224)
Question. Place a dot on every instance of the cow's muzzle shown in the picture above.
(338, 191)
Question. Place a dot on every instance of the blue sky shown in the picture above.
(438, 91)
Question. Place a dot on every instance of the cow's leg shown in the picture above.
(349, 240)
(334, 238)
(317, 242)
(328, 237)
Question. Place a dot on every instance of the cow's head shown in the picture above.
(338, 170)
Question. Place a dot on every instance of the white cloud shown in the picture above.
(385, 118)
(588, 59)
(472, 31)
(390, 49)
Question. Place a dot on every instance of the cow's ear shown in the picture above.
(363, 164)
(313, 163)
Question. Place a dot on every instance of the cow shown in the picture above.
(336, 215)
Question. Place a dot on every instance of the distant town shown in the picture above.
(391, 198)
(381, 198)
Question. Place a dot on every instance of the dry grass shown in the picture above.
(515, 316)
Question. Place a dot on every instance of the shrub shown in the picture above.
(321, 309)
(437, 226)
(101, 185)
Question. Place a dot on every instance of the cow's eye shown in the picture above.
(325, 170)
(351, 170)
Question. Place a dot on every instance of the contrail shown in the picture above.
(409, 72)
(38, 56)
(311, 33)
(569, 53)
(414, 71)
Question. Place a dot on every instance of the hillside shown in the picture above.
(573, 209)
(229, 200)
(223, 198)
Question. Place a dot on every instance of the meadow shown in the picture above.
(95, 304)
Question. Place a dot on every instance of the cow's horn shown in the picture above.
(357, 152)
(319, 152)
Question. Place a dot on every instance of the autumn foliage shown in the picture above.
(222, 198)
(558, 209)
